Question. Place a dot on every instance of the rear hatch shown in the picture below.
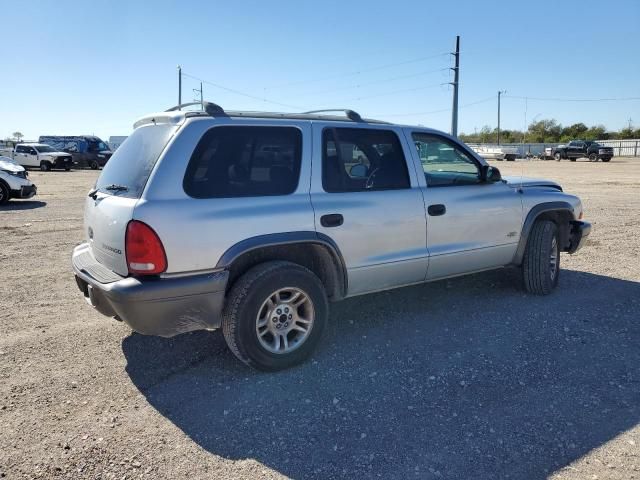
(110, 205)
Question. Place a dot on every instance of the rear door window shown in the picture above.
(245, 162)
(362, 159)
(127, 171)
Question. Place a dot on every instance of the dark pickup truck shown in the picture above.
(580, 148)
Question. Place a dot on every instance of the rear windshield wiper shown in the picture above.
(116, 188)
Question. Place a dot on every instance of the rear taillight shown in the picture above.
(144, 250)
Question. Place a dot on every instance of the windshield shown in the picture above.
(131, 165)
(98, 147)
(44, 148)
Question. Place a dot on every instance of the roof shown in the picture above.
(175, 115)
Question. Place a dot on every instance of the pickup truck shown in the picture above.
(582, 149)
(42, 156)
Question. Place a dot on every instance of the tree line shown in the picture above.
(549, 131)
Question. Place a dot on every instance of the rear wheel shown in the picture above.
(605, 159)
(45, 166)
(93, 165)
(5, 193)
(557, 156)
(541, 265)
(275, 315)
(593, 157)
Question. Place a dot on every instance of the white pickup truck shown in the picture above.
(42, 156)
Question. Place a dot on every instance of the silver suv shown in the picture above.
(254, 222)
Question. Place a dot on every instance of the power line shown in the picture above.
(484, 100)
(546, 99)
(243, 94)
(376, 82)
(357, 72)
(391, 93)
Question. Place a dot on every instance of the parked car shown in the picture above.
(14, 181)
(496, 152)
(42, 156)
(254, 222)
(87, 151)
(582, 149)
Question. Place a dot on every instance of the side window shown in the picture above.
(360, 159)
(32, 151)
(245, 162)
(445, 163)
(21, 149)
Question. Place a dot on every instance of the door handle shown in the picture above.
(331, 220)
(436, 210)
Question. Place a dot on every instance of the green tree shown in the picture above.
(597, 132)
(547, 130)
(17, 136)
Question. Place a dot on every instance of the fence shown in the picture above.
(621, 148)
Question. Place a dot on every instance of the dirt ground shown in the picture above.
(467, 378)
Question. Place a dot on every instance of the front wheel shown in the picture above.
(557, 156)
(275, 315)
(5, 193)
(94, 165)
(45, 166)
(541, 264)
(593, 157)
(605, 159)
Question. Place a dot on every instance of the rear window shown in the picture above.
(131, 165)
(245, 162)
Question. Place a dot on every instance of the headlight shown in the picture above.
(11, 172)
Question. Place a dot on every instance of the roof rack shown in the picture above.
(215, 110)
(209, 107)
(351, 114)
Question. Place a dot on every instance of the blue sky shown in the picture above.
(77, 67)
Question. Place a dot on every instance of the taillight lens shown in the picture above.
(144, 250)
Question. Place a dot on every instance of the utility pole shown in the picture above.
(500, 92)
(195, 90)
(179, 87)
(456, 78)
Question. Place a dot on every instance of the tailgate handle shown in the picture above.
(331, 220)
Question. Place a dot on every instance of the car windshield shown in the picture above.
(98, 147)
(44, 148)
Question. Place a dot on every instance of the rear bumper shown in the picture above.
(578, 235)
(153, 306)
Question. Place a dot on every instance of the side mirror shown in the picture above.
(359, 170)
(491, 174)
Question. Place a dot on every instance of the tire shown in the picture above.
(605, 159)
(593, 157)
(5, 193)
(254, 297)
(557, 156)
(45, 166)
(94, 165)
(573, 159)
(510, 158)
(539, 276)
(67, 169)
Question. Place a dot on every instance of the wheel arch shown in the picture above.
(312, 250)
(561, 213)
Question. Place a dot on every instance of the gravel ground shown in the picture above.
(467, 378)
